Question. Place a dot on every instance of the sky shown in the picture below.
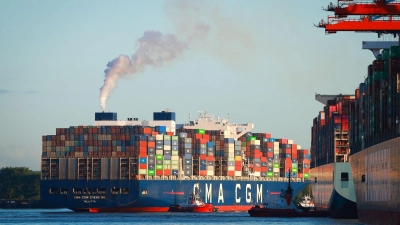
(260, 61)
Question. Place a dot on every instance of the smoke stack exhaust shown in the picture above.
(154, 50)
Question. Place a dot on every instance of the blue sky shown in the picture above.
(262, 61)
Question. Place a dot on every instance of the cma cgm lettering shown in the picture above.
(238, 193)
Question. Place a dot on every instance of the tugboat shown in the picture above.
(306, 204)
(194, 204)
(285, 207)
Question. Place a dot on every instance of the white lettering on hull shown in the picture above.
(237, 199)
(221, 194)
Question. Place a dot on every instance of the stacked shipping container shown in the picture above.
(374, 117)
(330, 132)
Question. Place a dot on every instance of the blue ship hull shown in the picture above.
(158, 195)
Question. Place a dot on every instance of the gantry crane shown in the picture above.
(377, 7)
(379, 16)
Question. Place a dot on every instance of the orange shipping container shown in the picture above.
(264, 169)
(203, 156)
(238, 163)
(206, 136)
(257, 169)
(159, 172)
(142, 143)
(231, 173)
(210, 158)
(151, 144)
(203, 172)
(143, 166)
(167, 172)
(238, 168)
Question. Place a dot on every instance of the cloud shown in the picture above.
(5, 91)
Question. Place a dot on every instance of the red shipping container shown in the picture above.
(322, 123)
(202, 141)
(170, 133)
(238, 163)
(264, 159)
(270, 155)
(143, 154)
(206, 136)
(288, 150)
(142, 143)
(151, 144)
(211, 158)
(199, 136)
(306, 170)
(159, 172)
(257, 169)
(203, 156)
(203, 172)
(300, 175)
(231, 173)
(167, 172)
(238, 168)
(264, 169)
(143, 166)
(270, 144)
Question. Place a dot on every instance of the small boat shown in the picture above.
(306, 204)
(194, 204)
(285, 207)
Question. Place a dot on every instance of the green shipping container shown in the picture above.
(294, 170)
(151, 172)
(244, 144)
(251, 138)
(159, 157)
(174, 138)
(159, 167)
(394, 52)
(276, 165)
(306, 175)
(200, 131)
(294, 165)
(167, 137)
(270, 174)
(385, 54)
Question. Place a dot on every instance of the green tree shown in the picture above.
(19, 183)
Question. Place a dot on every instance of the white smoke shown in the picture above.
(201, 26)
(154, 49)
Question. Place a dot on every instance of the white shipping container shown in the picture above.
(276, 170)
(118, 148)
(238, 173)
(174, 153)
(230, 154)
(159, 137)
(298, 147)
(143, 171)
(210, 168)
(255, 142)
(257, 173)
(113, 154)
(175, 158)
(159, 152)
(231, 168)
(85, 137)
(174, 167)
(231, 159)
(167, 147)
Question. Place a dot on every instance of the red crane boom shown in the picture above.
(353, 8)
(362, 25)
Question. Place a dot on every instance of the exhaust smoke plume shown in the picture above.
(154, 49)
(200, 26)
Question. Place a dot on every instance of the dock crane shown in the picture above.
(377, 7)
(378, 16)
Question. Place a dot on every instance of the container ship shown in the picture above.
(331, 175)
(149, 165)
(375, 141)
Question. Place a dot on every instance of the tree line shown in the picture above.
(19, 183)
